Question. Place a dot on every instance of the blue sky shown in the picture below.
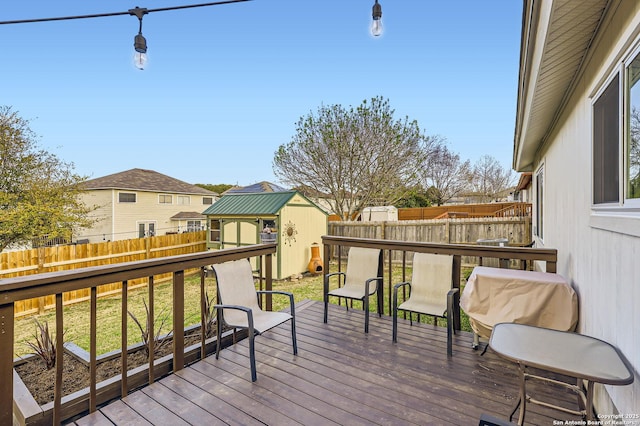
(226, 84)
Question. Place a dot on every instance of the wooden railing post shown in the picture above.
(123, 331)
(6, 364)
(57, 393)
(269, 280)
(178, 320)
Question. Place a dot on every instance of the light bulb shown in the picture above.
(376, 24)
(376, 27)
(140, 51)
(140, 60)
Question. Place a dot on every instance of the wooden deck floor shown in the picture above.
(340, 376)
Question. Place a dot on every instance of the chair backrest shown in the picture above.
(363, 264)
(432, 278)
(235, 284)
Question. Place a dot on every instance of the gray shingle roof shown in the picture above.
(145, 180)
(263, 186)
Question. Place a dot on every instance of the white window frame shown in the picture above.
(207, 198)
(161, 196)
(180, 200)
(538, 187)
(135, 196)
(623, 216)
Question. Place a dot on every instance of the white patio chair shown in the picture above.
(238, 306)
(430, 292)
(362, 279)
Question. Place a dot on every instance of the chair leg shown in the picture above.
(394, 334)
(252, 351)
(366, 312)
(218, 332)
(450, 320)
(326, 297)
(294, 341)
(252, 356)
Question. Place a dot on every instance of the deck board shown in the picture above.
(340, 376)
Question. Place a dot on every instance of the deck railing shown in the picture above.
(56, 283)
(333, 250)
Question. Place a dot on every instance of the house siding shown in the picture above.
(600, 264)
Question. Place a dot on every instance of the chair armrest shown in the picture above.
(367, 282)
(238, 307)
(395, 292)
(397, 286)
(284, 293)
(248, 311)
(334, 273)
(325, 281)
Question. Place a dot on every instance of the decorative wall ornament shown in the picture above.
(289, 232)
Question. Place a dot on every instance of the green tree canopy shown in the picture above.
(38, 191)
(357, 157)
(217, 188)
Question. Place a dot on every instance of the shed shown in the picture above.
(379, 214)
(287, 218)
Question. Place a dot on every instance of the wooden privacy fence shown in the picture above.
(61, 258)
(517, 231)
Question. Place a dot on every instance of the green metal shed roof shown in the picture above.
(250, 204)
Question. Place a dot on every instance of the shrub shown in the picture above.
(145, 332)
(45, 345)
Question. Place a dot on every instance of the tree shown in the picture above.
(217, 188)
(444, 175)
(633, 189)
(490, 180)
(38, 192)
(358, 156)
(415, 197)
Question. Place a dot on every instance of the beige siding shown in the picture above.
(102, 201)
(311, 224)
(120, 220)
(602, 264)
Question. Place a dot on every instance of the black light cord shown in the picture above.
(128, 12)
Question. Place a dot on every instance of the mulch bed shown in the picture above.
(75, 374)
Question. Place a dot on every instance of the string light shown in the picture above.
(376, 23)
(139, 42)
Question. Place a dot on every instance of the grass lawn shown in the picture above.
(76, 316)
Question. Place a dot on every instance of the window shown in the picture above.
(184, 200)
(606, 143)
(165, 199)
(214, 227)
(539, 226)
(146, 229)
(194, 225)
(207, 200)
(632, 152)
(126, 197)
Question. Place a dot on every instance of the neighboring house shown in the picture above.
(577, 133)
(522, 193)
(138, 203)
(263, 186)
(287, 218)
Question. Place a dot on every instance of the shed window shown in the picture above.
(214, 230)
